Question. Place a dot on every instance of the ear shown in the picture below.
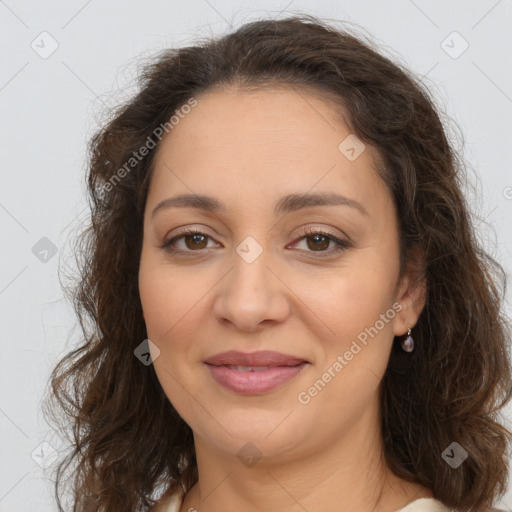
(411, 292)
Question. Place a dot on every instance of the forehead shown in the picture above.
(275, 118)
(263, 144)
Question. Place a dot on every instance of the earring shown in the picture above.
(408, 343)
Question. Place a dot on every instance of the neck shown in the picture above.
(347, 472)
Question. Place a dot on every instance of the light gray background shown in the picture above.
(51, 106)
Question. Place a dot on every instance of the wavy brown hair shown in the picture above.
(129, 443)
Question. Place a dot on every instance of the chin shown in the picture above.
(250, 434)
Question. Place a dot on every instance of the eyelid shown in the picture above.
(310, 231)
(188, 231)
(342, 242)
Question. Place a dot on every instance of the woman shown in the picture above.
(290, 309)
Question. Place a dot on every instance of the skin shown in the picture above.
(248, 149)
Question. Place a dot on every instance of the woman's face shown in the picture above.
(259, 277)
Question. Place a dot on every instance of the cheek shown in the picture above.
(175, 305)
(367, 295)
(350, 299)
(168, 306)
(357, 306)
(358, 310)
(167, 296)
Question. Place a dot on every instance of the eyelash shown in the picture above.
(342, 244)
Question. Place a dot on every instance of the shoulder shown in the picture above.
(169, 503)
(433, 505)
(425, 505)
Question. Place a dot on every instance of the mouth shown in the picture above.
(254, 373)
(260, 359)
(248, 368)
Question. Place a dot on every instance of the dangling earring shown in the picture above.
(408, 343)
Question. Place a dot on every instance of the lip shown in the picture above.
(281, 368)
(260, 358)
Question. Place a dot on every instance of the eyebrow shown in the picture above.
(288, 203)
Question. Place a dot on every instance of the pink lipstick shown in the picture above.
(254, 373)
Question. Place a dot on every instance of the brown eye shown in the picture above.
(195, 241)
(315, 242)
(191, 241)
(319, 242)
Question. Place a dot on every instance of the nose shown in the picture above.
(251, 295)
